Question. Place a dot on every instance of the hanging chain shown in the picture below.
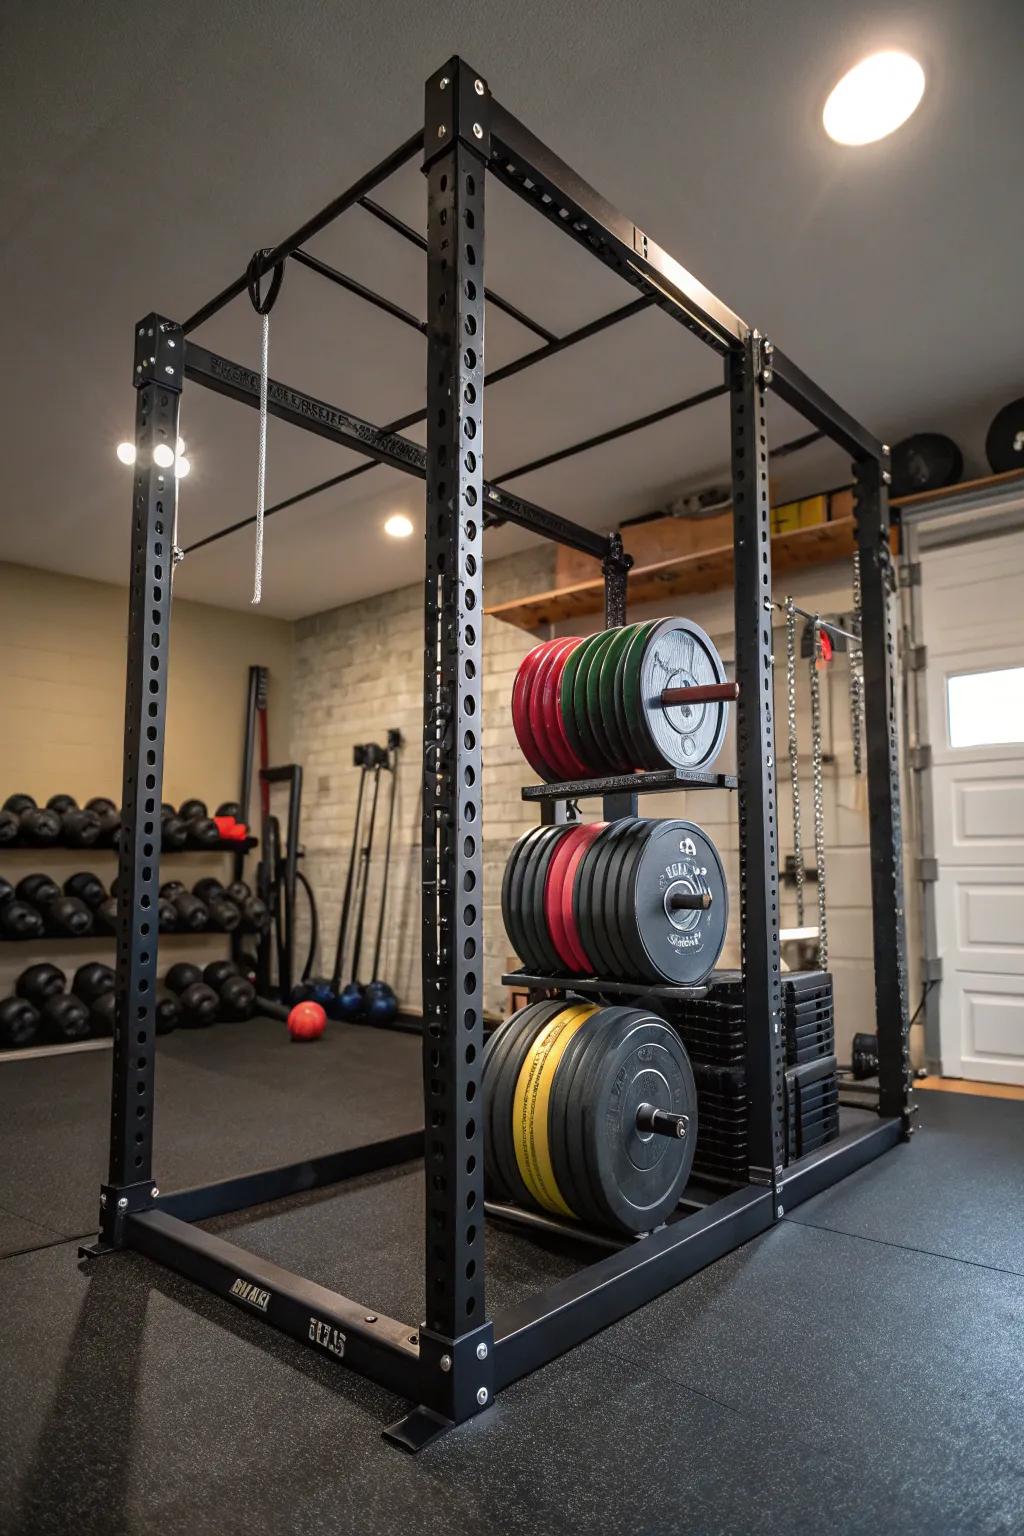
(261, 462)
(856, 654)
(794, 760)
(819, 795)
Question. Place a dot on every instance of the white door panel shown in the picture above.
(982, 816)
(993, 1021)
(972, 593)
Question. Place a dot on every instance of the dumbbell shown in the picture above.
(19, 1023)
(167, 1012)
(40, 829)
(64, 1017)
(230, 808)
(61, 914)
(80, 829)
(190, 912)
(9, 829)
(87, 887)
(199, 1003)
(18, 920)
(188, 810)
(238, 892)
(202, 832)
(18, 803)
(173, 831)
(105, 916)
(61, 804)
(255, 915)
(109, 815)
(166, 916)
(92, 980)
(237, 995)
(103, 1013)
(38, 982)
(223, 913)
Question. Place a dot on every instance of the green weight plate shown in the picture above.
(637, 1177)
(593, 754)
(611, 718)
(509, 1055)
(599, 728)
(678, 654)
(680, 947)
(567, 690)
(627, 689)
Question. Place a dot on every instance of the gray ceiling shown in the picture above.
(150, 149)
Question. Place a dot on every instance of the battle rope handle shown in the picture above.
(262, 306)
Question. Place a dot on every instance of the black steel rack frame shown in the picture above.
(450, 1367)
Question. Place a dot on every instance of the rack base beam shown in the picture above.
(832, 1162)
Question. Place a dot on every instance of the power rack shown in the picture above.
(450, 1367)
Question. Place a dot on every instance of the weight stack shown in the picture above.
(812, 1106)
(809, 1011)
(713, 1030)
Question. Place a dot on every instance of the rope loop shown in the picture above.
(253, 275)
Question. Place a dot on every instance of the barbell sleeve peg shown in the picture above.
(661, 1122)
(701, 693)
(689, 901)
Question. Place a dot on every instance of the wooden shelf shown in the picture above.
(704, 571)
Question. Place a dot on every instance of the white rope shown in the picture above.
(261, 469)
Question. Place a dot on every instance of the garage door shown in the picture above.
(973, 613)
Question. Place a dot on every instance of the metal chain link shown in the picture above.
(261, 463)
(794, 761)
(857, 674)
(819, 796)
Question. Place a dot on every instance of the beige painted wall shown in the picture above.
(62, 718)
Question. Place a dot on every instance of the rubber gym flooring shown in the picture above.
(856, 1369)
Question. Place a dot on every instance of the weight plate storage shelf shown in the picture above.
(647, 783)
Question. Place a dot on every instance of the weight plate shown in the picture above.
(638, 1176)
(566, 692)
(569, 956)
(924, 462)
(678, 654)
(521, 713)
(581, 911)
(505, 1051)
(605, 913)
(555, 741)
(527, 948)
(619, 902)
(679, 947)
(534, 883)
(530, 1108)
(613, 720)
(566, 1123)
(611, 756)
(572, 932)
(594, 754)
(589, 907)
(628, 694)
(1004, 444)
(509, 912)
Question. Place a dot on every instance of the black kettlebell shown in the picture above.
(167, 1012)
(200, 1006)
(40, 829)
(105, 916)
(166, 916)
(19, 1023)
(208, 889)
(230, 808)
(188, 810)
(10, 829)
(202, 832)
(92, 980)
(87, 887)
(62, 804)
(217, 972)
(181, 975)
(20, 921)
(38, 982)
(64, 1018)
(237, 999)
(173, 833)
(103, 1014)
(18, 803)
(80, 829)
(37, 889)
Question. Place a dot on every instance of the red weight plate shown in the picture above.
(587, 836)
(570, 956)
(521, 690)
(557, 740)
(539, 727)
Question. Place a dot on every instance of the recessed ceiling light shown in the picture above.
(126, 453)
(181, 466)
(163, 455)
(398, 526)
(873, 98)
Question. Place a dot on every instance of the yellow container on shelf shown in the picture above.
(813, 510)
(785, 518)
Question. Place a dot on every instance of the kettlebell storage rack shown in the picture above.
(451, 1366)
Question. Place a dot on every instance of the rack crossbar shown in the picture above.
(794, 386)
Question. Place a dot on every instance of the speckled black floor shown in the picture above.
(856, 1369)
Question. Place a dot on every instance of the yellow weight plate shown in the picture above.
(530, 1107)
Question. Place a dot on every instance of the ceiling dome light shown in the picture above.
(126, 453)
(398, 526)
(181, 466)
(163, 456)
(873, 98)
(181, 445)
